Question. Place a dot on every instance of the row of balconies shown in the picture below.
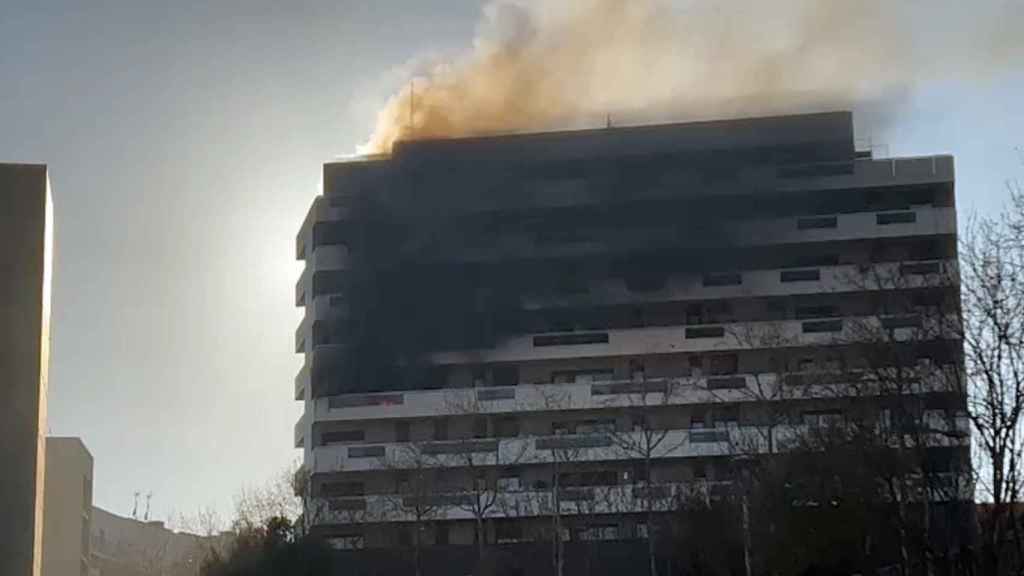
(705, 338)
(343, 180)
(916, 221)
(596, 395)
(764, 283)
(753, 284)
(515, 503)
(675, 340)
(638, 444)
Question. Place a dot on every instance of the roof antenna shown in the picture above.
(135, 507)
(607, 120)
(149, 498)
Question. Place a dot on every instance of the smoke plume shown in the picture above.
(570, 63)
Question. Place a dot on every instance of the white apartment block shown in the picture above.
(602, 321)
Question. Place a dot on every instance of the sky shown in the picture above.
(185, 141)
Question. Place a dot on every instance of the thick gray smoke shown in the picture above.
(567, 63)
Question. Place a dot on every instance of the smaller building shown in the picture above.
(129, 547)
(67, 508)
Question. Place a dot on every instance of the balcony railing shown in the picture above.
(603, 446)
(575, 500)
(610, 394)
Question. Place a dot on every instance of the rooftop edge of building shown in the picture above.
(816, 137)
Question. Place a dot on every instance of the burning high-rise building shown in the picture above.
(558, 337)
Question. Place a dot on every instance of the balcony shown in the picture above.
(615, 499)
(682, 338)
(914, 221)
(676, 443)
(300, 431)
(302, 382)
(609, 394)
(323, 209)
(759, 284)
(331, 257)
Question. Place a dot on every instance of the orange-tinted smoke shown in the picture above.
(566, 63)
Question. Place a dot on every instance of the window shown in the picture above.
(650, 280)
(816, 222)
(507, 427)
(896, 218)
(723, 279)
(901, 321)
(813, 259)
(441, 534)
(694, 314)
(822, 418)
(809, 275)
(822, 326)
(353, 542)
(581, 376)
(509, 480)
(479, 376)
(636, 369)
(920, 268)
(336, 489)
(726, 382)
(722, 364)
(508, 532)
(402, 431)
(819, 311)
(595, 426)
(480, 428)
(488, 394)
(341, 436)
(599, 532)
(718, 312)
(727, 416)
(697, 421)
(700, 471)
(505, 375)
(640, 472)
(696, 365)
(366, 452)
(441, 429)
(705, 332)
(571, 339)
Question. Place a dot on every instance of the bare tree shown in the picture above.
(254, 505)
(992, 262)
(646, 440)
(905, 393)
(480, 458)
(415, 494)
(560, 453)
